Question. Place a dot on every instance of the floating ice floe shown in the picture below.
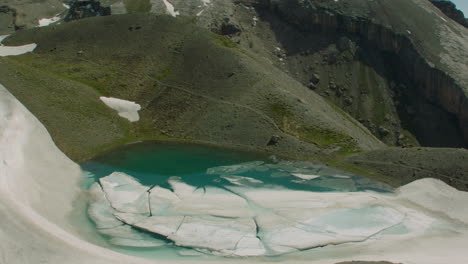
(210, 201)
(126, 109)
(235, 169)
(15, 50)
(305, 176)
(245, 220)
(241, 180)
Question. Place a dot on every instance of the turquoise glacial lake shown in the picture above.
(154, 163)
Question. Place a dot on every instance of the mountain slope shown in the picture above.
(192, 85)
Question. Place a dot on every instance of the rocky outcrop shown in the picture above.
(7, 20)
(438, 83)
(80, 9)
(450, 10)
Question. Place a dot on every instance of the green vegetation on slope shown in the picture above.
(320, 136)
(137, 6)
(192, 85)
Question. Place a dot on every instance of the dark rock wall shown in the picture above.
(450, 10)
(436, 87)
(7, 20)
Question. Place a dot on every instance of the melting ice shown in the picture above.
(257, 209)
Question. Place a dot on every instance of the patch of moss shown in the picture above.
(322, 137)
(137, 6)
(225, 42)
(96, 76)
(280, 111)
(325, 137)
(163, 74)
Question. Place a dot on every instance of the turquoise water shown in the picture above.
(201, 166)
(154, 163)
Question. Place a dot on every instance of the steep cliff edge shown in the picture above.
(430, 49)
(450, 9)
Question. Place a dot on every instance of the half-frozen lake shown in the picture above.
(189, 201)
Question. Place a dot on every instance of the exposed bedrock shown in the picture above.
(7, 20)
(450, 9)
(426, 68)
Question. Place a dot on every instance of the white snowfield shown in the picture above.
(43, 22)
(15, 50)
(126, 109)
(170, 8)
(424, 222)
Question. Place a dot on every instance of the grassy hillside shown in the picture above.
(192, 85)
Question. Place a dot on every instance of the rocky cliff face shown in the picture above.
(421, 71)
(7, 20)
(450, 10)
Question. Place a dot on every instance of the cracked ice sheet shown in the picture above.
(126, 194)
(289, 220)
(301, 205)
(282, 234)
(208, 201)
(100, 210)
(125, 235)
(226, 236)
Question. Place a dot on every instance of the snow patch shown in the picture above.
(206, 2)
(254, 21)
(15, 50)
(124, 108)
(48, 21)
(170, 9)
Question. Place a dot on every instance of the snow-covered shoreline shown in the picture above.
(39, 184)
